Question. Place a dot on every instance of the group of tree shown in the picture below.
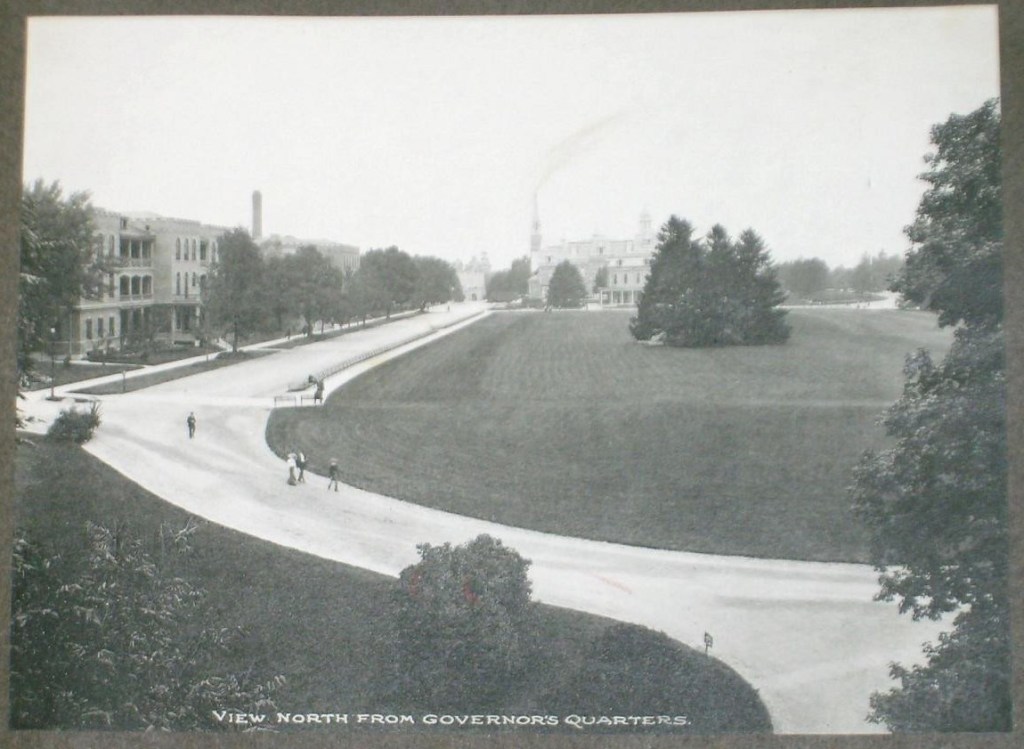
(511, 284)
(936, 502)
(246, 292)
(710, 292)
(112, 639)
(805, 278)
(59, 265)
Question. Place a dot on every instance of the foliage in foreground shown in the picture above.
(109, 641)
(463, 625)
(937, 501)
(72, 425)
(711, 292)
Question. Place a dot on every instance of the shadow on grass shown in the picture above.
(320, 623)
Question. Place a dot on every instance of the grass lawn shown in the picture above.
(73, 372)
(140, 382)
(563, 423)
(317, 622)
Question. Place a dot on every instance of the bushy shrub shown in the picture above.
(462, 626)
(114, 639)
(72, 425)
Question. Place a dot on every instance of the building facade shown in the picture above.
(157, 268)
(626, 263)
(345, 257)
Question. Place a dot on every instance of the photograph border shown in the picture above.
(12, 90)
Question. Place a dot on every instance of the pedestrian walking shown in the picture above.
(300, 463)
(290, 462)
(318, 395)
(190, 422)
(332, 472)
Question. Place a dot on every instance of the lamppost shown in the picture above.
(53, 362)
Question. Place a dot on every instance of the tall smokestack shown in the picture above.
(257, 214)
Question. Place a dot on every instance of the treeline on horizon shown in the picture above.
(802, 279)
(246, 291)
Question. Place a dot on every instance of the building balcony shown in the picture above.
(131, 262)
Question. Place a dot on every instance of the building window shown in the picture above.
(202, 250)
(124, 223)
(125, 291)
(88, 329)
(110, 325)
(99, 327)
(177, 248)
(193, 250)
(110, 245)
(615, 279)
(177, 284)
(193, 280)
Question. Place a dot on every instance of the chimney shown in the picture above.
(257, 215)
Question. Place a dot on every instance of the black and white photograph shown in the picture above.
(511, 376)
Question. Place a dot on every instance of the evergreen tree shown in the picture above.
(761, 292)
(710, 293)
(937, 501)
(566, 288)
(675, 263)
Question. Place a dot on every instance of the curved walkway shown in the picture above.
(807, 635)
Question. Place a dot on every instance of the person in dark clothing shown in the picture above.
(300, 463)
(332, 472)
(190, 422)
(318, 395)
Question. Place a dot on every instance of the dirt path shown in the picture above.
(807, 635)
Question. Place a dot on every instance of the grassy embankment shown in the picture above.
(318, 623)
(563, 423)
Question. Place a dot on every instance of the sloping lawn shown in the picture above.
(319, 623)
(562, 423)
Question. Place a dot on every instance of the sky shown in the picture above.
(441, 135)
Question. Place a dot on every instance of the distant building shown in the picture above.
(473, 277)
(627, 262)
(342, 256)
(159, 265)
(474, 285)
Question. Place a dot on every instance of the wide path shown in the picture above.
(807, 635)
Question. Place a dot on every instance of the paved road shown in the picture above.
(807, 635)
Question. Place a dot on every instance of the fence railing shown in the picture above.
(323, 374)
